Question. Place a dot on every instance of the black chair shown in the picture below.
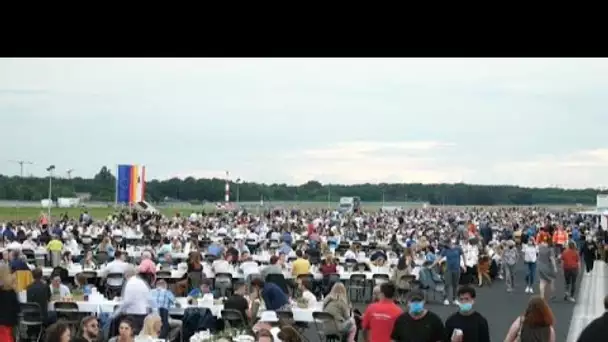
(380, 279)
(358, 284)
(279, 280)
(292, 259)
(166, 275)
(210, 258)
(223, 283)
(30, 256)
(31, 322)
(329, 280)
(350, 264)
(101, 257)
(323, 320)
(113, 290)
(69, 313)
(234, 319)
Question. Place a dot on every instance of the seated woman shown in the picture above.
(151, 329)
(125, 332)
(329, 266)
(88, 262)
(337, 305)
(66, 260)
(308, 299)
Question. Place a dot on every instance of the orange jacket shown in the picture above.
(560, 237)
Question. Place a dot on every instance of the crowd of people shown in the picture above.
(262, 267)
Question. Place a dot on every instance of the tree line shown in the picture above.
(102, 186)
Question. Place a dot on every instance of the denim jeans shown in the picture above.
(531, 273)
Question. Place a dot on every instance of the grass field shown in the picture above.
(10, 213)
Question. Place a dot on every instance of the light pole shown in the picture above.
(50, 170)
(328, 196)
(238, 182)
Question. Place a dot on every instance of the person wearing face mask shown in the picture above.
(467, 325)
(418, 324)
(589, 252)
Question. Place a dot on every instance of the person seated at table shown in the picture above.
(337, 305)
(329, 265)
(166, 248)
(125, 331)
(151, 329)
(378, 258)
(164, 299)
(29, 243)
(307, 298)
(106, 246)
(72, 245)
(350, 254)
(66, 260)
(238, 302)
(272, 268)
(215, 249)
(204, 288)
(88, 262)
(273, 296)
(248, 266)
(167, 262)
(176, 245)
(147, 266)
(300, 265)
(81, 284)
(58, 290)
(222, 265)
(118, 265)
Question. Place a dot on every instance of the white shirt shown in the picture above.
(14, 246)
(471, 255)
(350, 255)
(310, 298)
(64, 291)
(221, 266)
(250, 267)
(530, 253)
(136, 297)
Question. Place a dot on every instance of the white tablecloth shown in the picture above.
(74, 270)
(107, 306)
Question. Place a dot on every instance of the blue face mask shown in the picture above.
(466, 307)
(416, 308)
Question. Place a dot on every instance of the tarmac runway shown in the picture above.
(501, 308)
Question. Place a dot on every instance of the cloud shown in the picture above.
(578, 169)
(374, 162)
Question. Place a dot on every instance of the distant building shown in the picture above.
(83, 196)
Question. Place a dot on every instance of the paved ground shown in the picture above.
(501, 308)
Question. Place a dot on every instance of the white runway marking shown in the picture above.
(589, 304)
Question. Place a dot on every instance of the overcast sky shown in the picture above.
(532, 122)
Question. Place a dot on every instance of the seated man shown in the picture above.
(204, 288)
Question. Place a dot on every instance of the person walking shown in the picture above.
(570, 264)
(467, 324)
(509, 259)
(589, 252)
(547, 268)
(454, 259)
(535, 325)
(530, 252)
